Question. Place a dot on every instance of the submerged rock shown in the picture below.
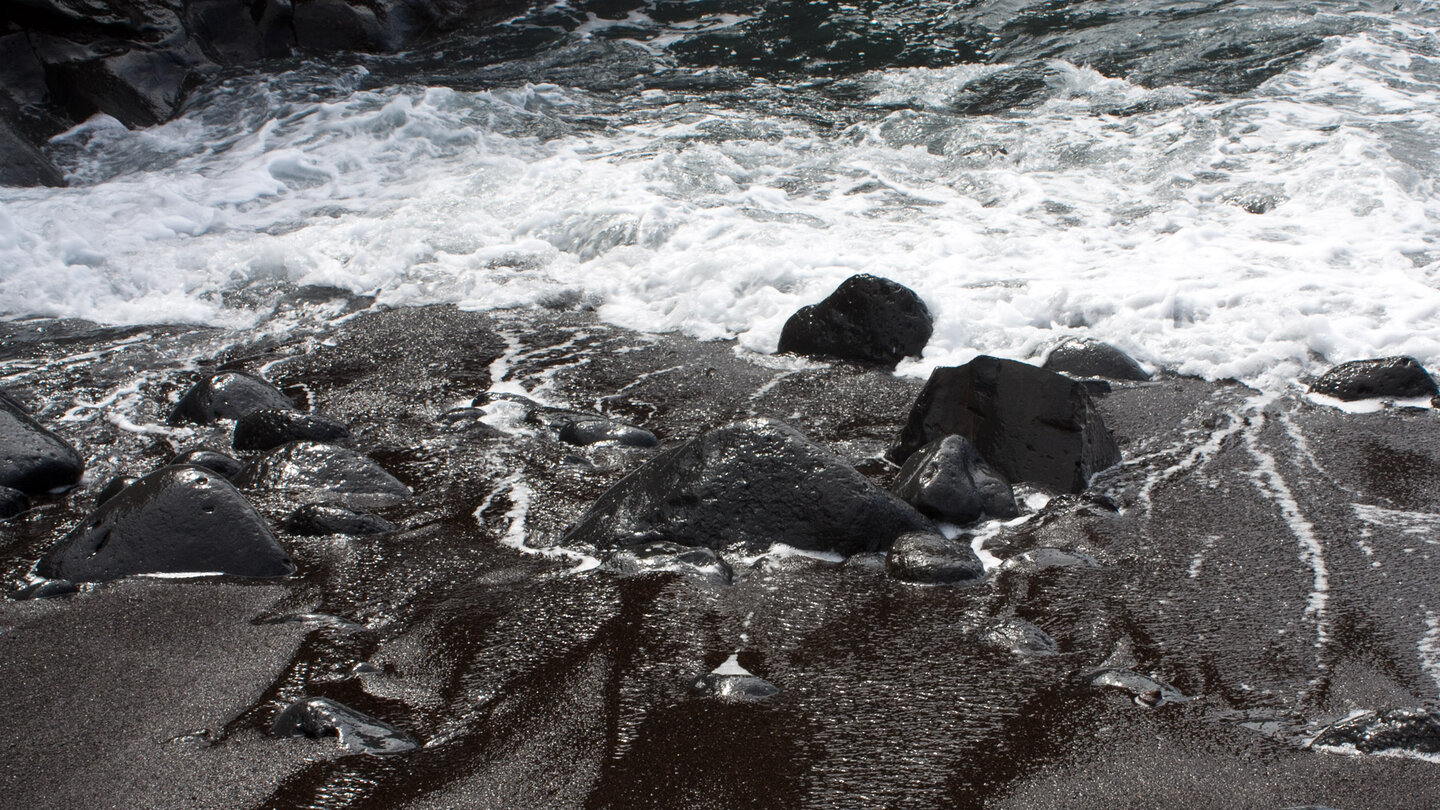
(1032, 425)
(1414, 730)
(748, 486)
(703, 563)
(317, 519)
(932, 560)
(323, 473)
(1144, 690)
(32, 459)
(214, 460)
(1039, 559)
(1087, 357)
(269, 428)
(1019, 637)
(1398, 377)
(176, 520)
(594, 431)
(228, 395)
(13, 502)
(866, 318)
(733, 683)
(356, 732)
(948, 480)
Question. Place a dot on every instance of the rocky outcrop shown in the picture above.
(32, 459)
(1398, 377)
(867, 318)
(948, 480)
(1030, 424)
(176, 520)
(228, 395)
(1087, 357)
(748, 486)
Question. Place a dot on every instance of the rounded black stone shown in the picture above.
(13, 502)
(318, 519)
(594, 431)
(32, 459)
(114, 487)
(270, 428)
(867, 318)
(1087, 357)
(930, 559)
(211, 460)
(1399, 377)
(228, 395)
(948, 480)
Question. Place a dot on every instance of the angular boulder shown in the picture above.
(228, 395)
(1397, 377)
(745, 487)
(930, 559)
(32, 459)
(269, 428)
(867, 318)
(176, 520)
(1087, 357)
(322, 473)
(948, 480)
(1030, 424)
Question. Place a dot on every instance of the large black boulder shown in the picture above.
(948, 480)
(745, 487)
(867, 318)
(175, 520)
(1087, 357)
(271, 427)
(32, 459)
(311, 472)
(228, 395)
(1399, 377)
(1030, 424)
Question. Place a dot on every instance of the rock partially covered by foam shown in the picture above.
(322, 473)
(867, 318)
(747, 486)
(228, 395)
(1030, 424)
(1087, 357)
(269, 428)
(319, 519)
(32, 459)
(930, 559)
(1397, 377)
(354, 731)
(948, 480)
(1413, 730)
(176, 520)
(702, 563)
(732, 683)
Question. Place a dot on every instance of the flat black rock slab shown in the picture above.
(228, 395)
(269, 428)
(1400, 377)
(32, 459)
(176, 520)
(748, 486)
(1030, 424)
(867, 318)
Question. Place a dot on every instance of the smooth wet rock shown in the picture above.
(175, 520)
(1410, 729)
(318, 519)
(732, 683)
(222, 464)
(323, 473)
(21, 163)
(114, 487)
(747, 486)
(32, 459)
(13, 503)
(1039, 559)
(1397, 377)
(1030, 424)
(356, 732)
(931, 559)
(47, 589)
(594, 431)
(1019, 86)
(702, 563)
(140, 86)
(269, 428)
(867, 318)
(948, 480)
(1144, 690)
(1019, 637)
(1087, 357)
(228, 395)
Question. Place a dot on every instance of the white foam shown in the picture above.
(1429, 647)
(731, 667)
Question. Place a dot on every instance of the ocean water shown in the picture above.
(1227, 191)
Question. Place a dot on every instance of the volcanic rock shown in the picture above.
(1019, 637)
(1030, 424)
(323, 473)
(175, 520)
(1399, 377)
(32, 459)
(594, 431)
(318, 519)
(748, 486)
(12, 502)
(1087, 357)
(933, 560)
(866, 318)
(948, 480)
(21, 163)
(222, 464)
(1416, 730)
(356, 732)
(269, 428)
(228, 395)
